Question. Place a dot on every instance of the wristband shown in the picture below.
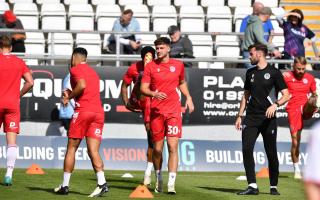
(277, 103)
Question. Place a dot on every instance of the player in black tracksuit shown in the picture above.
(262, 85)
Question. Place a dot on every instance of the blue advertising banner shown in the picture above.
(130, 154)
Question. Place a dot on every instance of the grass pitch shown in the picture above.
(189, 185)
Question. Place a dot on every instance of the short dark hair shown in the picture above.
(259, 47)
(5, 41)
(80, 50)
(146, 50)
(128, 11)
(162, 40)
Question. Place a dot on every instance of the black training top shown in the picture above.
(264, 86)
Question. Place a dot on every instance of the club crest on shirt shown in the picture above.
(172, 69)
(305, 81)
(252, 78)
(266, 76)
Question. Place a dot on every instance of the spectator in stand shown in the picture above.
(255, 34)
(9, 20)
(267, 25)
(180, 46)
(295, 32)
(129, 43)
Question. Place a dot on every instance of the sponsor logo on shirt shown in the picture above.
(266, 76)
(301, 33)
(172, 69)
(158, 69)
(305, 81)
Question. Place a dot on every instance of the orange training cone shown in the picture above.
(263, 173)
(34, 169)
(141, 192)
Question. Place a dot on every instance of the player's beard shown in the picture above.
(254, 61)
(299, 75)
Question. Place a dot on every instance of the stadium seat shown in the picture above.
(278, 41)
(239, 14)
(39, 2)
(219, 19)
(185, 2)
(20, 1)
(69, 2)
(276, 26)
(227, 46)
(237, 3)
(28, 14)
(106, 2)
(163, 17)
(217, 3)
(53, 17)
(60, 43)
(269, 3)
(35, 43)
(91, 42)
(141, 13)
(191, 19)
(277, 11)
(159, 2)
(148, 39)
(202, 47)
(127, 2)
(106, 15)
(81, 17)
(3, 7)
(31, 62)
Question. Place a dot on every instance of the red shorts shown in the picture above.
(295, 119)
(169, 125)
(10, 119)
(86, 124)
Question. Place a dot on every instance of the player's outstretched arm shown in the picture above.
(185, 91)
(28, 84)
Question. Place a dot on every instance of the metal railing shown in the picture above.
(118, 57)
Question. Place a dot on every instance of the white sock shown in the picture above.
(100, 177)
(66, 179)
(296, 167)
(12, 152)
(254, 185)
(149, 169)
(172, 178)
(158, 175)
(273, 187)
